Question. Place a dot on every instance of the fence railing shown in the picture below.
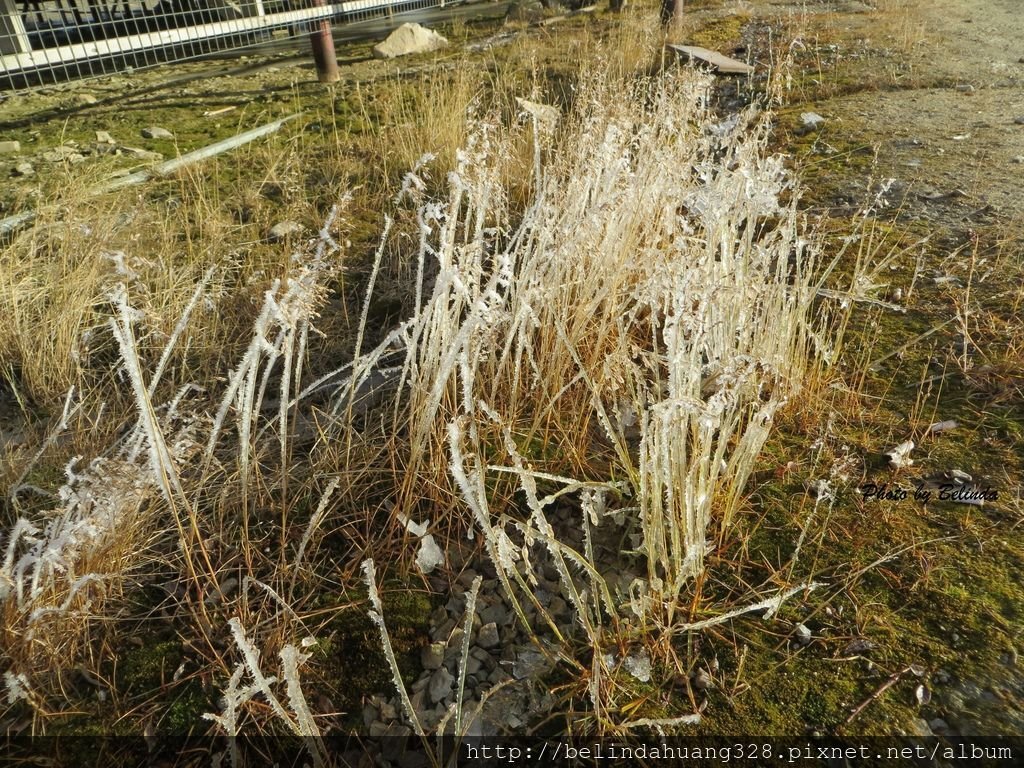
(43, 41)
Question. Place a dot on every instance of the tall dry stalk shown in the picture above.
(642, 321)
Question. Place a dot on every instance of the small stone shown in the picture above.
(496, 614)
(156, 132)
(473, 665)
(938, 725)
(83, 99)
(394, 744)
(102, 137)
(443, 632)
(941, 677)
(702, 680)
(10, 147)
(63, 153)
(377, 729)
(965, 88)
(857, 646)
(455, 639)
(811, 121)
(440, 685)
(432, 656)
(803, 635)
(388, 712)
(528, 662)
(499, 675)
(420, 686)
(488, 636)
(1019, 159)
(1019, 120)
(284, 230)
(455, 605)
(369, 715)
(143, 154)
(24, 169)
(558, 608)
(419, 701)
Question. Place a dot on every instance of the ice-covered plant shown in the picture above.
(299, 721)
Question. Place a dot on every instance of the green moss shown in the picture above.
(186, 711)
(149, 667)
(351, 659)
(722, 34)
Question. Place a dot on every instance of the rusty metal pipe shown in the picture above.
(323, 49)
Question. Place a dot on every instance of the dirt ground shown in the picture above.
(946, 124)
(934, 109)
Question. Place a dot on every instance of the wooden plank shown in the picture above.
(720, 62)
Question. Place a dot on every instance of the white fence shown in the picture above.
(46, 40)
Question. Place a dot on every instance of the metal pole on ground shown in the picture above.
(323, 49)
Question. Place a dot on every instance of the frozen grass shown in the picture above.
(643, 319)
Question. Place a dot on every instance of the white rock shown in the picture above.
(812, 121)
(155, 132)
(10, 147)
(24, 169)
(899, 456)
(408, 39)
(102, 137)
(283, 230)
(547, 116)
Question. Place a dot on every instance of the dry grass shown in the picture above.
(615, 306)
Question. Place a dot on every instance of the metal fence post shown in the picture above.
(323, 49)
